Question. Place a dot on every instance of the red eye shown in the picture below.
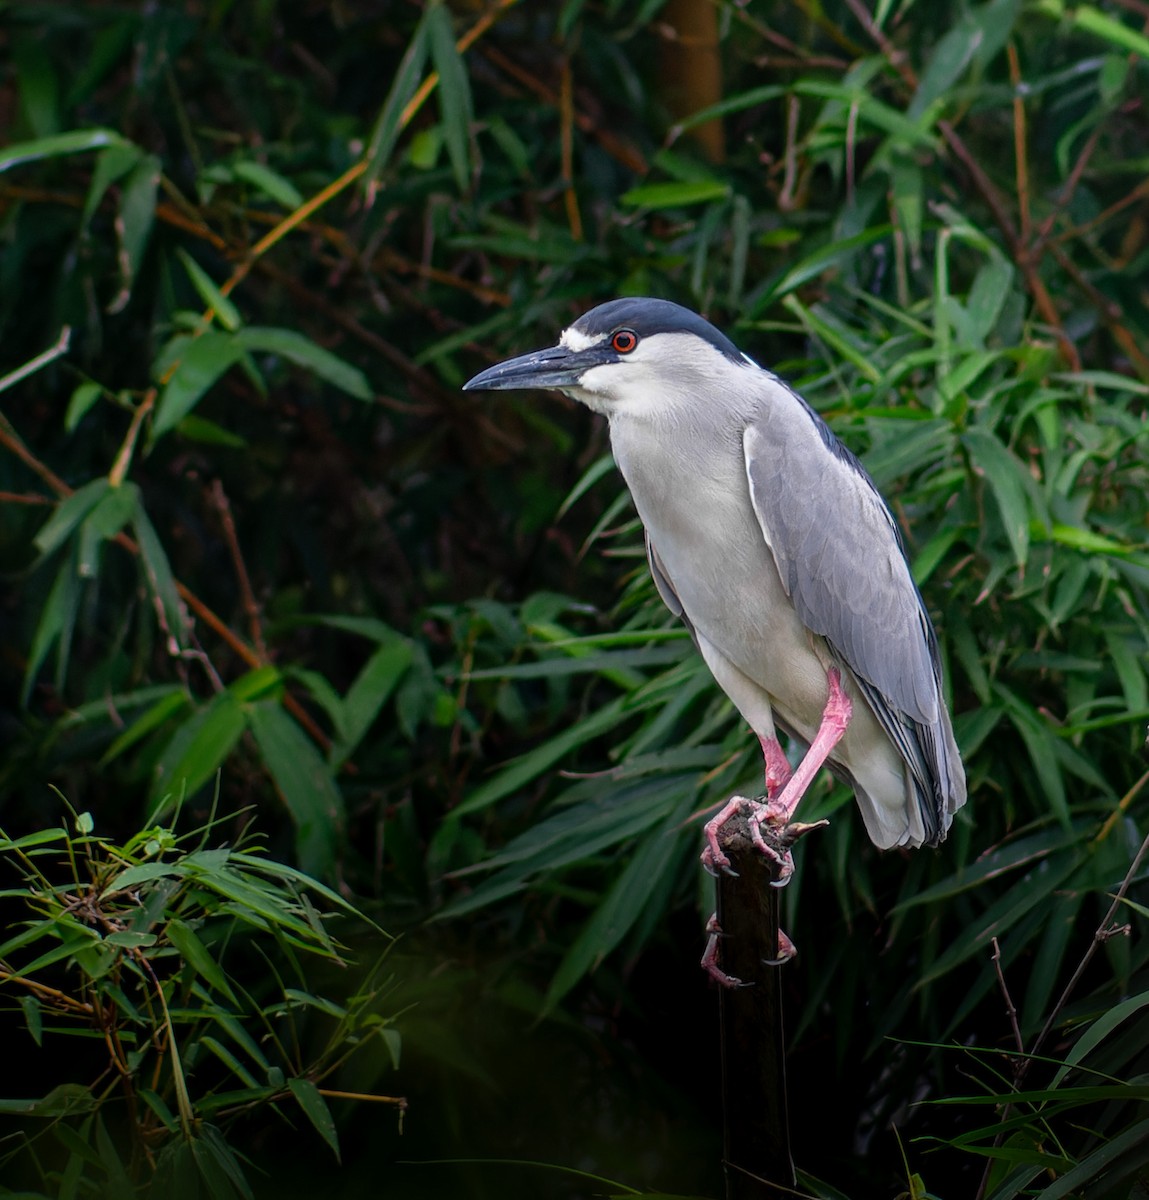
(624, 341)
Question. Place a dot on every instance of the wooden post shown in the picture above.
(756, 1139)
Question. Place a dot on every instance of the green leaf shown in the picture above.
(54, 628)
(198, 749)
(907, 184)
(388, 127)
(161, 582)
(367, 695)
(196, 954)
(233, 1064)
(1098, 1031)
(904, 132)
(167, 706)
(619, 911)
(1092, 20)
(136, 216)
(301, 350)
(834, 254)
(66, 1099)
(305, 782)
(225, 311)
(676, 195)
(1041, 743)
(1093, 1166)
(270, 182)
(33, 1018)
(77, 142)
(316, 1110)
(194, 428)
(948, 63)
(1036, 887)
(572, 834)
(455, 107)
(520, 772)
(80, 404)
(116, 508)
(68, 514)
(752, 98)
(200, 362)
(1008, 483)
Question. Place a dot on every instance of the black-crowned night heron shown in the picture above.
(770, 541)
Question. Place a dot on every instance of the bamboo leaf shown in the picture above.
(389, 125)
(676, 195)
(77, 142)
(196, 954)
(616, 915)
(315, 1109)
(54, 627)
(455, 107)
(201, 362)
(366, 697)
(1007, 483)
(301, 350)
(198, 749)
(134, 227)
(305, 783)
(225, 311)
(160, 580)
(520, 772)
(270, 182)
(68, 514)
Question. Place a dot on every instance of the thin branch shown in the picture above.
(12, 441)
(250, 605)
(41, 360)
(123, 461)
(1020, 150)
(1010, 1009)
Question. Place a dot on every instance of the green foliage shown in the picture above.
(140, 955)
(259, 535)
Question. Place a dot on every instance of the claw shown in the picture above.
(709, 961)
(786, 951)
(713, 863)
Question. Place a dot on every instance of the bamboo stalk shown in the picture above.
(756, 1127)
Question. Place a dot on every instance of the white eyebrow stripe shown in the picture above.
(572, 339)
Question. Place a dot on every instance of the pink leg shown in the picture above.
(781, 804)
(835, 719)
(778, 769)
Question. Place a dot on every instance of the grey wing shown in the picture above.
(665, 588)
(840, 558)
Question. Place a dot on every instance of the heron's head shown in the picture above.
(635, 354)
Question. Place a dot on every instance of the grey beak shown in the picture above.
(556, 367)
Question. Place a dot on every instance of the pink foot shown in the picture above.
(786, 951)
(710, 957)
(778, 809)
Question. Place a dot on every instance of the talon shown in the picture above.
(709, 961)
(713, 863)
(786, 951)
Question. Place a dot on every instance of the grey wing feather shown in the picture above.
(840, 557)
